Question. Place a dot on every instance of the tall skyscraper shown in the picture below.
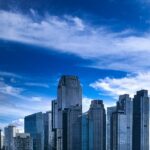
(23, 141)
(69, 103)
(10, 133)
(34, 125)
(72, 126)
(110, 111)
(49, 143)
(97, 126)
(121, 124)
(141, 120)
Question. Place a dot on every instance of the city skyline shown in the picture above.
(106, 43)
(85, 107)
(66, 127)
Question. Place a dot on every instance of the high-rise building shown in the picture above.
(55, 121)
(34, 125)
(72, 126)
(49, 143)
(141, 120)
(69, 92)
(10, 133)
(69, 102)
(110, 111)
(23, 141)
(121, 124)
(97, 126)
(85, 131)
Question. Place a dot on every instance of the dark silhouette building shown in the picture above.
(141, 121)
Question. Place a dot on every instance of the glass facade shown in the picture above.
(69, 108)
(97, 126)
(141, 121)
(121, 124)
(35, 126)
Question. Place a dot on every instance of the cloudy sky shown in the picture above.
(104, 42)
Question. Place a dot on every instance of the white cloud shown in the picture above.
(107, 49)
(19, 123)
(14, 105)
(37, 84)
(86, 102)
(36, 99)
(126, 85)
(9, 74)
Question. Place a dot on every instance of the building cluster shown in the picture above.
(124, 126)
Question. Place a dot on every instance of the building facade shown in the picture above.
(49, 143)
(34, 125)
(110, 111)
(69, 103)
(85, 131)
(23, 141)
(141, 120)
(97, 126)
(121, 124)
(10, 133)
(72, 128)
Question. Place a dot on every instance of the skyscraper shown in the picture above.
(55, 121)
(110, 111)
(97, 126)
(72, 126)
(69, 103)
(23, 141)
(34, 125)
(141, 120)
(10, 133)
(49, 143)
(121, 124)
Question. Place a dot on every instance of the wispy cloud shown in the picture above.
(125, 50)
(37, 84)
(14, 104)
(126, 85)
(9, 74)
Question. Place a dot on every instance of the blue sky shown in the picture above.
(104, 42)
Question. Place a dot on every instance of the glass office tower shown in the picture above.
(35, 126)
(121, 124)
(69, 106)
(97, 126)
(110, 111)
(49, 143)
(141, 121)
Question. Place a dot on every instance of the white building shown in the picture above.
(10, 133)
